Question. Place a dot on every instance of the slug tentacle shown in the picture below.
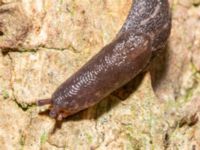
(44, 102)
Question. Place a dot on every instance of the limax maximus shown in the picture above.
(143, 34)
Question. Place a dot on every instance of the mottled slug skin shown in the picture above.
(144, 32)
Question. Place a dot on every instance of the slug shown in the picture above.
(143, 34)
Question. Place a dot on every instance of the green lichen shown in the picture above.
(174, 5)
(135, 144)
(89, 138)
(129, 128)
(191, 90)
(133, 111)
(72, 9)
(22, 142)
(43, 138)
(5, 94)
(61, 1)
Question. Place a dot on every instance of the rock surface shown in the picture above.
(51, 39)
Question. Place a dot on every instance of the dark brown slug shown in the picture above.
(143, 34)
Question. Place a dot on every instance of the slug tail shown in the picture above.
(43, 102)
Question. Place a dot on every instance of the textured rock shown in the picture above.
(52, 39)
(13, 122)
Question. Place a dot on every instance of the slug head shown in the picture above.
(55, 111)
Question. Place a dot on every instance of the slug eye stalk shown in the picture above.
(44, 102)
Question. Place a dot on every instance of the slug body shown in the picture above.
(143, 34)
